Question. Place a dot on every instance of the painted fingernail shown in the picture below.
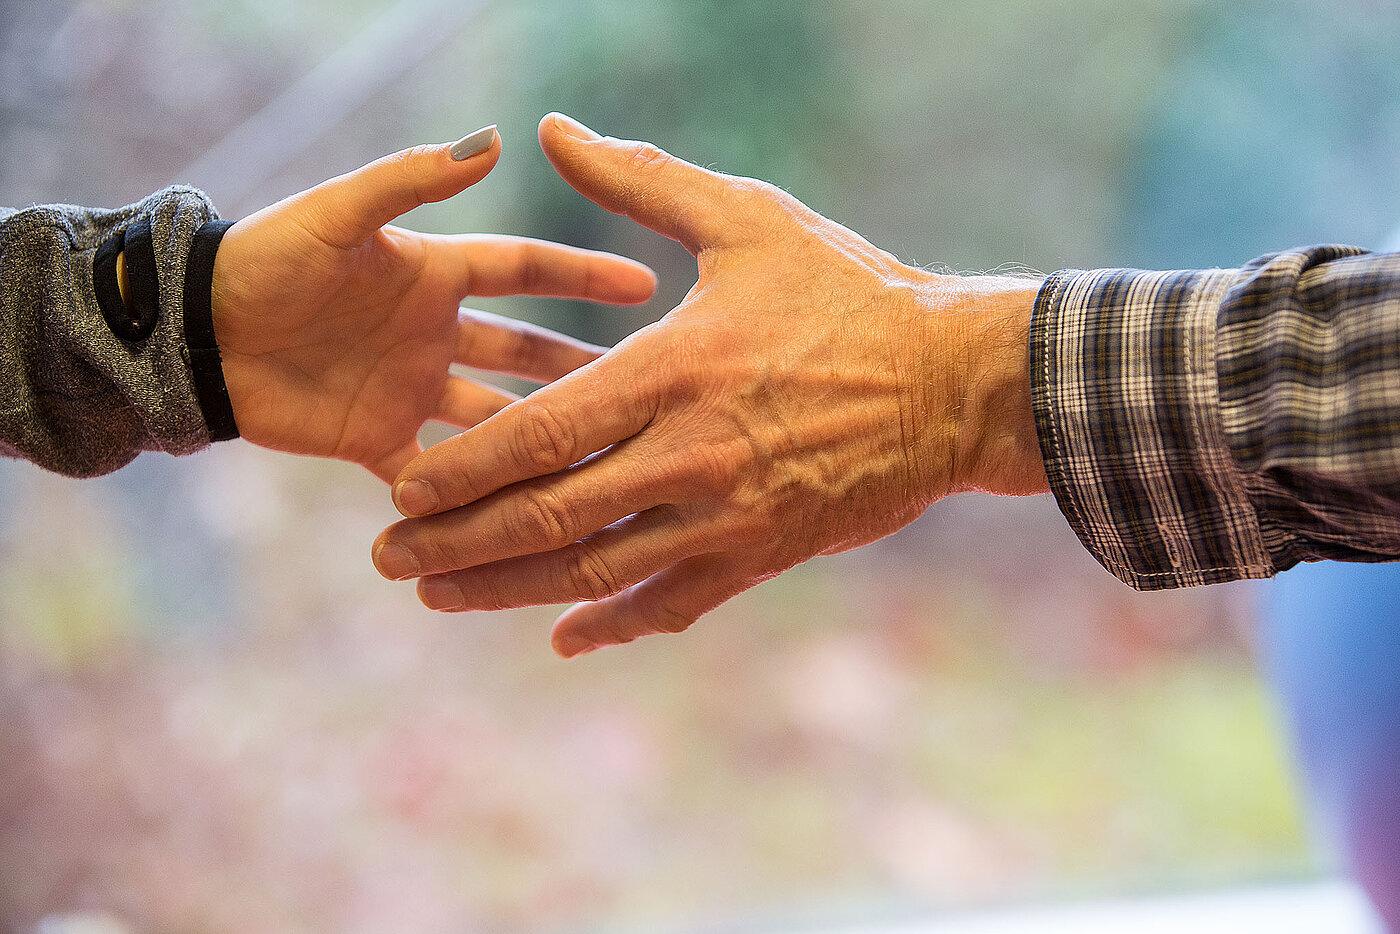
(574, 128)
(395, 561)
(415, 498)
(574, 646)
(473, 143)
(440, 593)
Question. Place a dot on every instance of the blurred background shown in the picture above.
(216, 717)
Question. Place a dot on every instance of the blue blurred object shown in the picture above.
(1268, 138)
(1331, 634)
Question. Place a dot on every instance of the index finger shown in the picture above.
(553, 428)
(496, 264)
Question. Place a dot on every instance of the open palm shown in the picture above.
(338, 330)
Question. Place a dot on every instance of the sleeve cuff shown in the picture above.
(1127, 412)
(135, 319)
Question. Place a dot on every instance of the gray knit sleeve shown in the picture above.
(75, 397)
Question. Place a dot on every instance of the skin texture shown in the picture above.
(337, 329)
(810, 394)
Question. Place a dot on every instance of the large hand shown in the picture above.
(337, 330)
(811, 394)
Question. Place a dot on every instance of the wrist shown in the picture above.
(982, 325)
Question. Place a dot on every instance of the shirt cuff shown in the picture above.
(154, 281)
(1127, 412)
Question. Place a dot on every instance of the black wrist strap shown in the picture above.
(134, 319)
(206, 366)
(104, 282)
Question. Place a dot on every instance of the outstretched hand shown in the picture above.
(811, 394)
(337, 330)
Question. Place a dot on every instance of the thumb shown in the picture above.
(671, 196)
(349, 209)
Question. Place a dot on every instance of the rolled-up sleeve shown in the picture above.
(1205, 426)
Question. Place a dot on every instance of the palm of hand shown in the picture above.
(342, 351)
(337, 330)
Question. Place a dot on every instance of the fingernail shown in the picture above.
(473, 143)
(440, 593)
(395, 561)
(574, 646)
(574, 128)
(415, 498)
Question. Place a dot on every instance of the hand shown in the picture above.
(809, 395)
(337, 330)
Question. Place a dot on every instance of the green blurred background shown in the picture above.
(214, 716)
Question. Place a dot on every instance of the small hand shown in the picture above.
(811, 394)
(337, 330)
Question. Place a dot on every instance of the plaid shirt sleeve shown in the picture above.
(1204, 426)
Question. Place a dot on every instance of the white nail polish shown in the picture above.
(473, 143)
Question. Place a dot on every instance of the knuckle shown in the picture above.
(543, 442)
(647, 159)
(395, 164)
(589, 576)
(690, 354)
(752, 189)
(405, 158)
(757, 193)
(532, 269)
(619, 630)
(665, 619)
(488, 594)
(723, 470)
(542, 519)
(483, 590)
(715, 468)
(642, 172)
(614, 635)
(408, 165)
(439, 554)
(763, 208)
(516, 352)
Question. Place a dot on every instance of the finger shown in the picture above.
(466, 403)
(671, 196)
(388, 468)
(487, 341)
(349, 209)
(531, 517)
(550, 429)
(670, 601)
(597, 567)
(495, 264)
